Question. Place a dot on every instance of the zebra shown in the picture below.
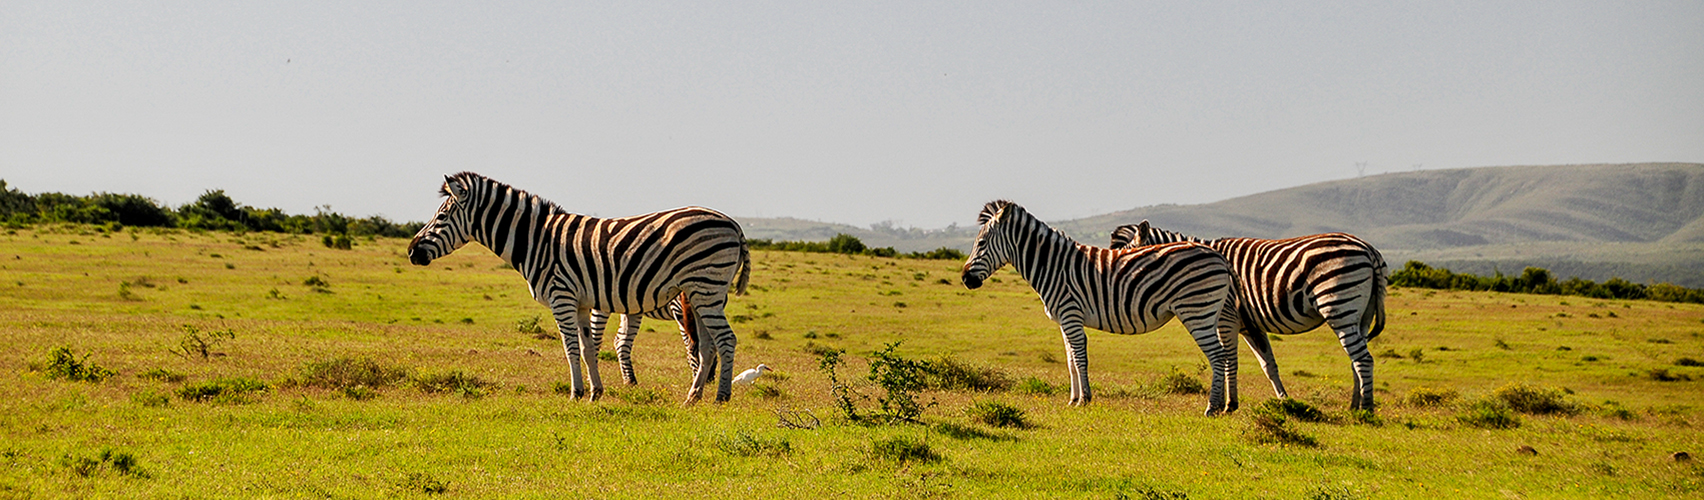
(1294, 285)
(1120, 291)
(575, 263)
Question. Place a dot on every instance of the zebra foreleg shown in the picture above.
(591, 342)
(1262, 348)
(568, 327)
(1221, 350)
(715, 334)
(1077, 360)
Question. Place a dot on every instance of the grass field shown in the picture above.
(471, 411)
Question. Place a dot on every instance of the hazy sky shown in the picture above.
(853, 112)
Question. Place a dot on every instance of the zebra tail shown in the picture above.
(745, 269)
(1376, 304)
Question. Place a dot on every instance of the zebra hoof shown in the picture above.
(596, 394)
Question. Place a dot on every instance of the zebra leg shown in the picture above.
(624, 346)
(1219, 345)
(1077, 360)
(591, 342)
(568, 327)
(705, 350)
(1262, 348)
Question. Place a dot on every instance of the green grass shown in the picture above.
(345, 413)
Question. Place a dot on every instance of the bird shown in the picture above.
(749, 376)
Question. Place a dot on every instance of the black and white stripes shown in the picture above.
(1295, 285)
(1120, 291)
(576, 263)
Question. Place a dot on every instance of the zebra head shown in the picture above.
(449, 229)
(1132, 235)
(994, 242)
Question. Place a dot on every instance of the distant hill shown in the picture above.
(1643, 222)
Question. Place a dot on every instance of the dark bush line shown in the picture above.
(213, 211)
(1538, 280)
(850, 245)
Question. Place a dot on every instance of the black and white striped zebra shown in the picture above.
(1294, 285)
(1120, 291)
(575, 263)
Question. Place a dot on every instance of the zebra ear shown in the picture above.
(1144, 233)
(453, 188)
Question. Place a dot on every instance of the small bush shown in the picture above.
(338, 241)
(1036, 386)
(1427, 396)
(531, 326)
(345, 373)
(121, 462)
(997, 414)
(454, 381)
(1664, 375)
(1267, 427)
(162, 375)
(1390, 353)
(1533, 400)
(952, 374)
(196, 343)
(743, 444)
(1292, 408)
(316, 281)
(903, 449)
(1688, 362)
(421, 482)
(1418, 355)
(222, 390)
(1177, 382)
(360, 393)
(62, 363)
(1488, 414)
(963, 432)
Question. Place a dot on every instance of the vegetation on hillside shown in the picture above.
(1537, 280)
(213, 211)
(847, 244)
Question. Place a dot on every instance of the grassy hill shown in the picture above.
(471, 411)
(1642, 222)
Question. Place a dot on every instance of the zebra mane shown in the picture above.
(476, 183)
(993, 208)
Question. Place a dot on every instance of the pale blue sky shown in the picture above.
(860, 112)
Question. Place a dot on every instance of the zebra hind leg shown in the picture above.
(624, 346)
(1262, 348)
(591, 342)
(1355, 345)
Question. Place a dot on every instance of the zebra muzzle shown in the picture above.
(972, 281)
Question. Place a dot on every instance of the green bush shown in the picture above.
(1292, 408)
(1426, 396)
(1533, 400)
(743, 444)
(1039, 387)
(62, 363)
(997, 414)
(903, 449)
(344, 373)
(951, 374)
(454, 381)
(1489, 414)
(1270, 427)
(234, 390)
(162, 375)
(1178, 382)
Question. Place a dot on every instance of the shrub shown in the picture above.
(900, 379)
(150, 399)
(1426, 396)
(767, 391)
(903, 449)
(1177, 382)
(421, 482)
(997, 414)
(1688, 362)
(121, 462)
(634, 396)
(63, 364)
(338, 241)
(1486, 414)
(743, 444)
(454, 381)
(194, 342)
(344, 373)
(1533, 400)
(1663, 375)
(1269, 427)
(162, 375)
(963, 432)
(1292, 408)
(222, 390)
(952, 374)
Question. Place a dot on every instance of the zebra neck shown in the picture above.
(1041, 245)
(514, 227)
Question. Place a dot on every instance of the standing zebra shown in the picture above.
(1120, 291)
(575, 263)
(1294, 285)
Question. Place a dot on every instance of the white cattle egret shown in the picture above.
(749, 376)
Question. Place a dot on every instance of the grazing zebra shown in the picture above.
(1294, 285)
(575, 263)
(629, 329)
(1120, 291)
